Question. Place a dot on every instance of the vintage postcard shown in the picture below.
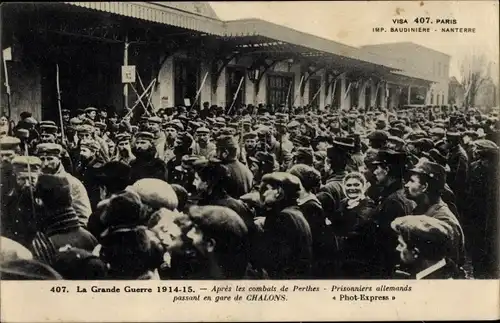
(249, 161)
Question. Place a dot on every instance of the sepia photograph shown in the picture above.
(179, 141)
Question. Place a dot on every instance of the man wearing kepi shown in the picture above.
(50, 155)
(426, 183)
(18, 206)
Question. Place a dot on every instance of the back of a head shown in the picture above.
(156, 193)
(54, 191)
(230, 233)
(23, 269)
(309, 177)
(182, 196)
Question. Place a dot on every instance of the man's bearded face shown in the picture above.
(203, 137)
(250, 143)
(25, 180)
(65, 117)
(143, 145)
(7, 156)
(47, 138)
(171, 133)
(50, 164)
(84, 136)
(86, 153)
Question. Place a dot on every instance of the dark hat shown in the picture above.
(124, 136)
(282, 179)
(54, 190)
(9, 143)
(343, 143)
(145, 135)
(397, 140)
(226, 141)
(25, 114)
(265, 157)
(90, 109)
(397, 132)
(437, 157)
(423, 144)
(432, 170)
(114, 172)
(187, 162)
(250, 135)
(124, 208)
(301, 141)
(304, 155)
(49, 149)
(378, 135)
(389, 157)
(65, 111)
(418, 134)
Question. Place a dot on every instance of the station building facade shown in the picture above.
(183, 52)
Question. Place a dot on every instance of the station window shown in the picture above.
(314, 89)
(234, 75)
(279, 87)
(186, 78)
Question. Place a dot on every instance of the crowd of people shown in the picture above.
(263, 193)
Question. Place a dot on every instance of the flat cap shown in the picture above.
(202, 130)
(75, 121)
(84, 128)
(422, 230)
(431, 169)
(378, 135)
(226, 141)
(250, 135)
(156, 193)
(145, 135)
(90, 109)
(437, 131)
(282, 179)
(389, 157)
(21, 163)
(154, 119)
(90, 144)
(124, 136)
(486, 145)
(293, 124)
(9, 143)
(423, 144)
(49, 149)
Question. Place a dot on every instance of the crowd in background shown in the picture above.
(264, 193)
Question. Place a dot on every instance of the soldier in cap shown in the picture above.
(48, 131)
(425, 186)
(183, 147)
(146, 164)
(422, 247)
(86, 169)
(338, 156)
(8, 151)
(202, 145)
(241, 178)
(50, 154)
(19, 207)
(391, 203)
(91, 113)
(250, 140)
(459, 165)
(285, 250)
(378, 139)
(123, 149)
(481, 209)
(171, 130)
